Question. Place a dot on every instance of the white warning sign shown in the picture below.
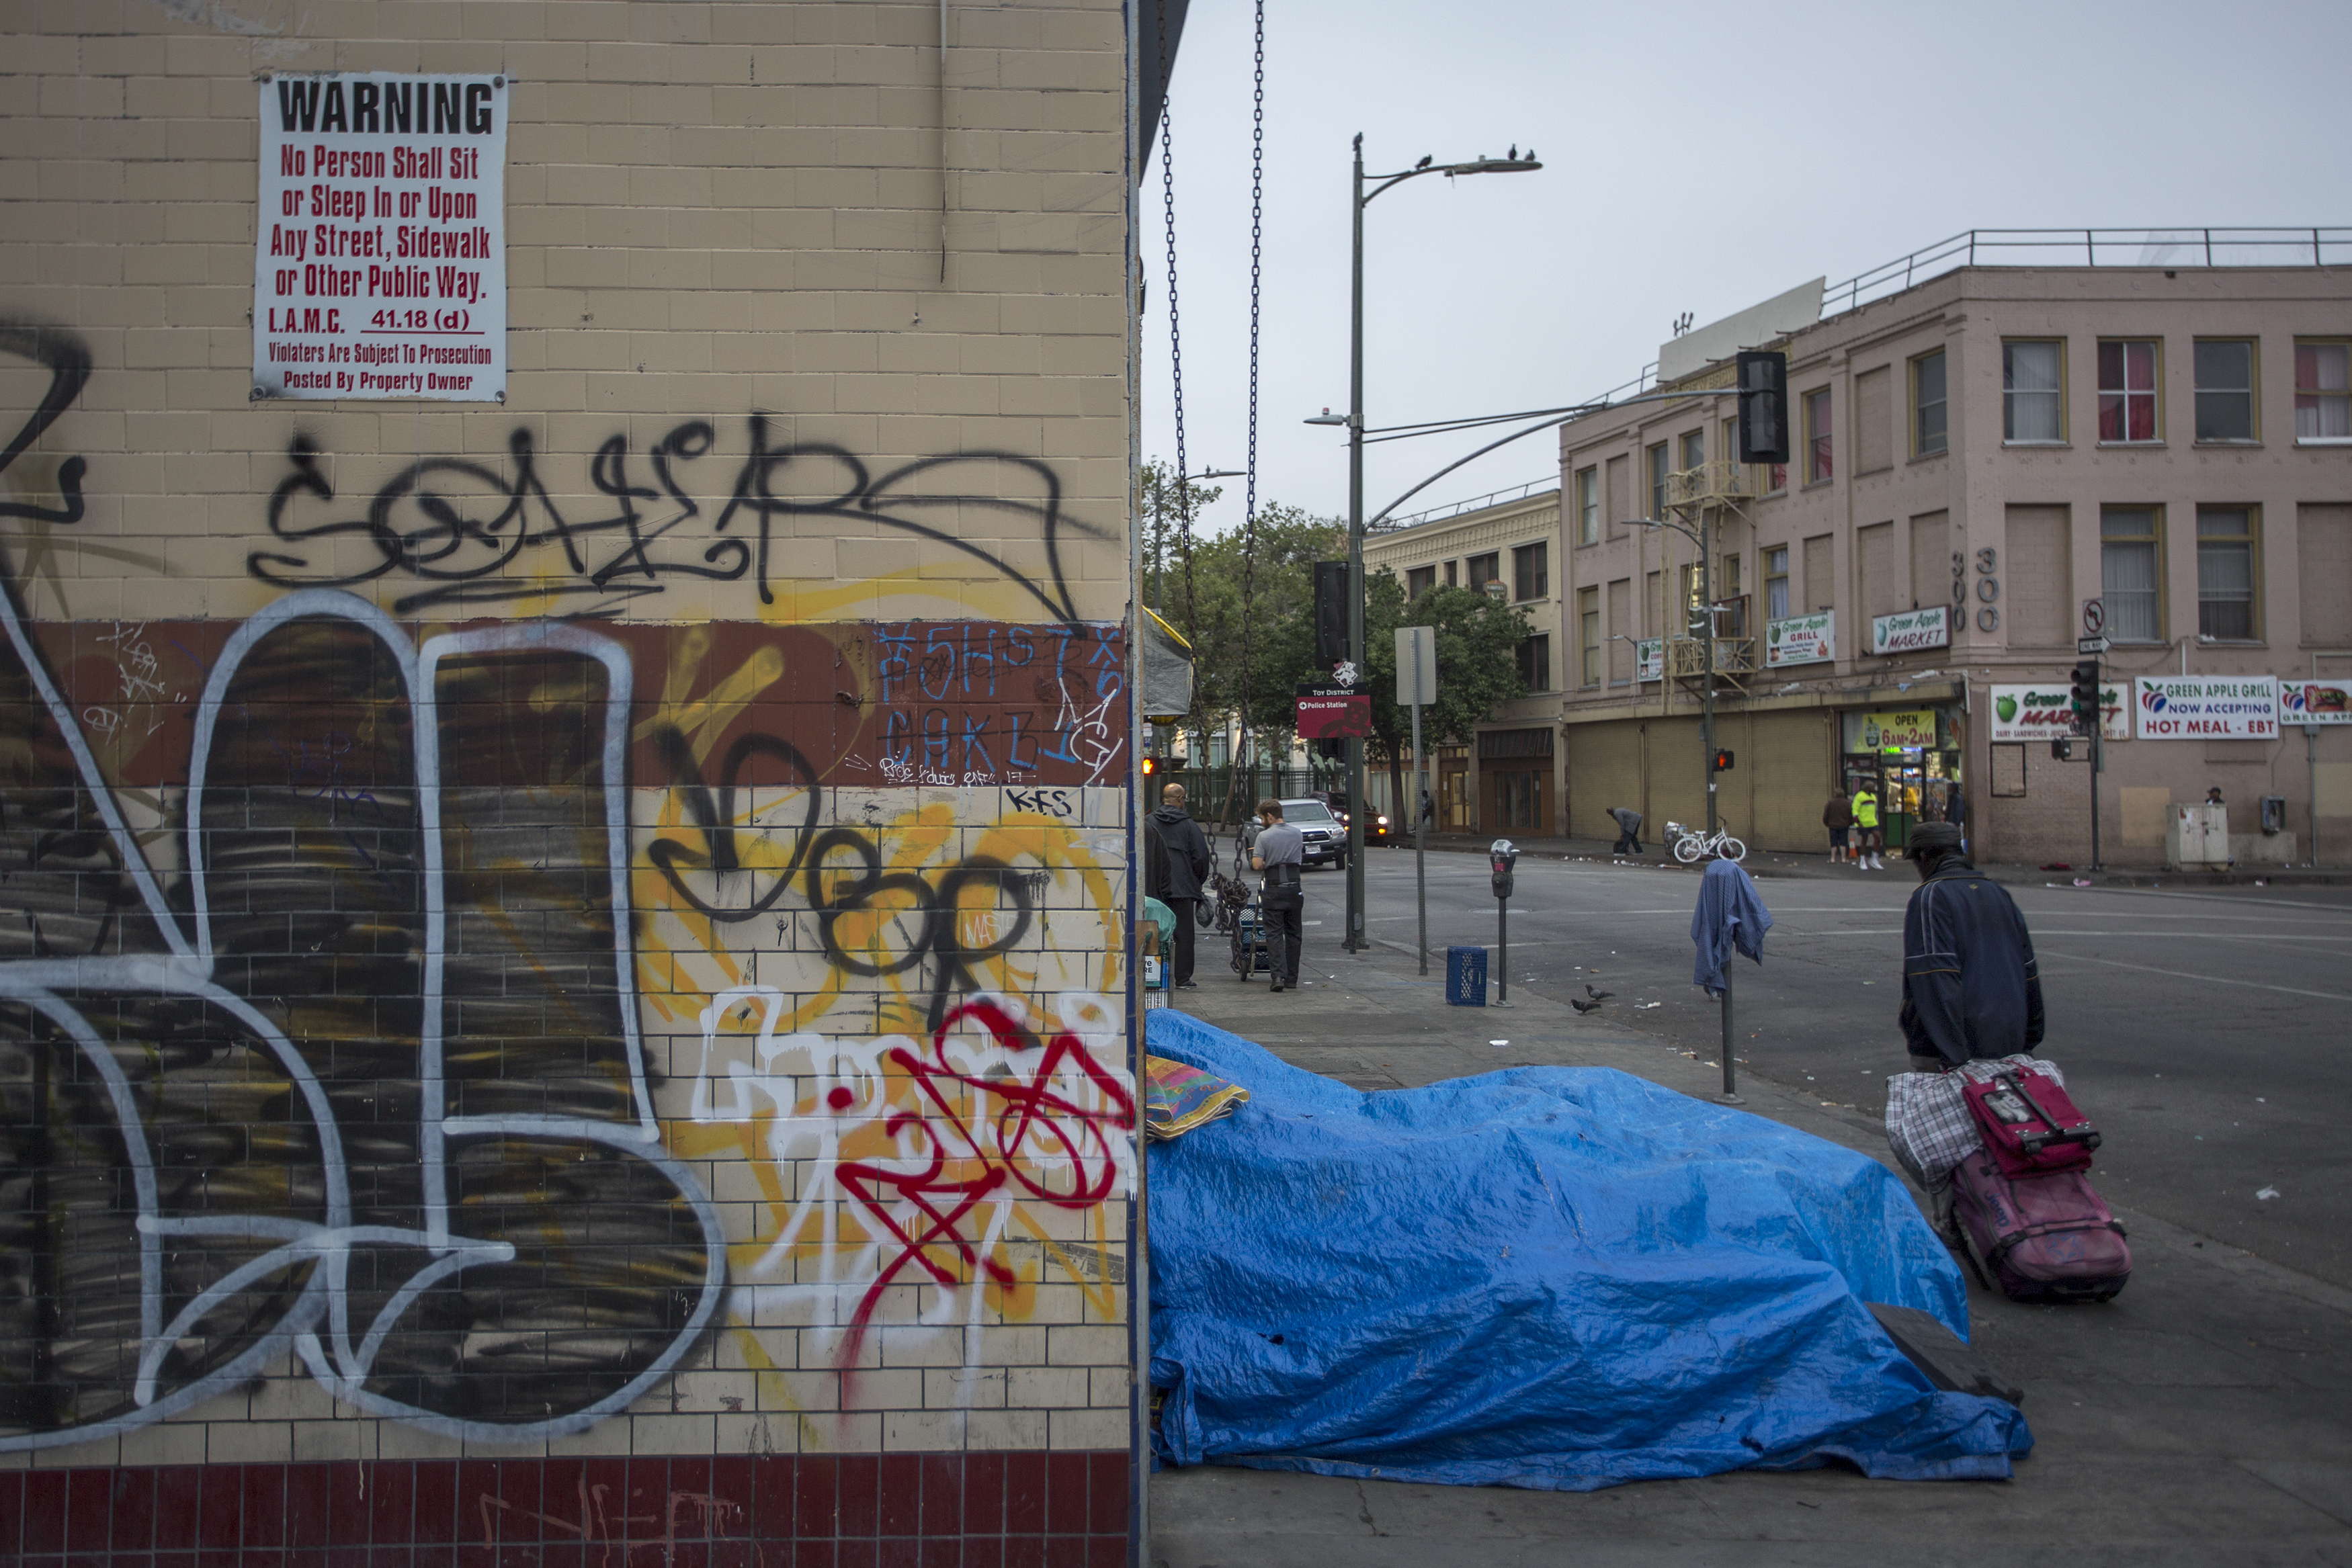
(378, 264)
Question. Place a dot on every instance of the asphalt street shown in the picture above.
(2201, 1030)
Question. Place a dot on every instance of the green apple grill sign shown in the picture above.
(2207, 708)
(2047, 713)
(1800, 640)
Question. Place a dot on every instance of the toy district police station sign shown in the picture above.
(378, 264)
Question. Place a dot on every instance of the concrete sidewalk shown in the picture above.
(1782, 862)
(2203, 1416)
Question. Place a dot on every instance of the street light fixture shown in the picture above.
(1354, 420)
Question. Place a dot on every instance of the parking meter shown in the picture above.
(1502, 856)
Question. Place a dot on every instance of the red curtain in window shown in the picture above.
(2128, 392)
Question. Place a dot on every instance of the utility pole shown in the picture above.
(1354, 941)
(1706, 690)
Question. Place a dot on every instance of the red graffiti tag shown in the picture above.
(1026, 1124)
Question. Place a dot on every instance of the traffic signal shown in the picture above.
(1722, 761)
(1331, 612)
(2084, 697)
(1763, 407)
(1150, 766)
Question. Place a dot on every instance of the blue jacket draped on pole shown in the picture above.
(1729, 916)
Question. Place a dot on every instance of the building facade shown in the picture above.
(565, 798)
(1974, 459)
(1508, 780)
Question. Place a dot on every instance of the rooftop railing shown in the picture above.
(2172, 247)
(2169, 247)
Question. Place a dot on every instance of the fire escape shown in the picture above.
(1706, 498)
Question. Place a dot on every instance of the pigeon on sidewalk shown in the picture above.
(1581, 1005)
(1597, 996)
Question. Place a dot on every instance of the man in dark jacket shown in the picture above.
(1188, 861)
(1970, 986)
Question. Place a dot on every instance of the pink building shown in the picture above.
(1974, 457)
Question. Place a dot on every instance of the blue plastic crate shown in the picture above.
(1466, 977)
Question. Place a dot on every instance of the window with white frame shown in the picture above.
(2129, 577)
(2225, 573)
(2225, 389)
(1587, 505)
(1657, 455)
(1929, 432)
(2128, 390)
(2031, 397)
(2323, 391)
(1776, 583)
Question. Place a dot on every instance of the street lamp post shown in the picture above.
(1354, 940)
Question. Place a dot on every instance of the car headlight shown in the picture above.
(1384, 822)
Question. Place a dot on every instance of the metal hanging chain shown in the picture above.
(1175, 335)
(1249, 514)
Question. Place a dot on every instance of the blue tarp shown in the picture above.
(1549, 1277)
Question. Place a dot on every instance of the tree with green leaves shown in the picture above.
(1248, 604)
(1477, 668)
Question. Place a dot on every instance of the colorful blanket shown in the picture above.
(1178, 1098)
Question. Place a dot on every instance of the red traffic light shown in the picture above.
(1722, 761)
(1150, 766)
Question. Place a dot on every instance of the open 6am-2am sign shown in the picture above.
(379, 266)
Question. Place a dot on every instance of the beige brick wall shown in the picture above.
(736, 228)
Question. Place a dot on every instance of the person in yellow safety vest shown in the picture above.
(1866, 822)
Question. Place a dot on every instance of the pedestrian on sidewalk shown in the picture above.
(1180, 870)
(1866, 822)
(1838, 818)
(1280, 854)
(1629, 831)
(1428, 810)
(1971, 989)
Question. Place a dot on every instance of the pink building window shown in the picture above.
(1818, 464)
(2128, 392)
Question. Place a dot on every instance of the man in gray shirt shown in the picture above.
(1280, 853)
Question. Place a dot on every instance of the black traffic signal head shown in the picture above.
(1150, 766)
(1331, 612)
(2084, 697)
(1722, 760)
(1763, 407)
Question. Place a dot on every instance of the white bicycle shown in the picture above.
(1691, 846)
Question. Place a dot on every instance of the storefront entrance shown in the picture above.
(1910, 760)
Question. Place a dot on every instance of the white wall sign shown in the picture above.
(2202, 708)
(2314, 702)
(2047, 713)
(1800, 640)
(379, 266)
(1650, 656)
(1910, 631)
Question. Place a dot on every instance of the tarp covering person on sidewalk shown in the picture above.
(1562, 1278)
(1729, 916)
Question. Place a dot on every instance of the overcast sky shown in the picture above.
(1698, 158)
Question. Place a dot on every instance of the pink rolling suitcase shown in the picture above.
(2047, 1238)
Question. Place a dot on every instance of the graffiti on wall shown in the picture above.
(470, 534)
(376, 996)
